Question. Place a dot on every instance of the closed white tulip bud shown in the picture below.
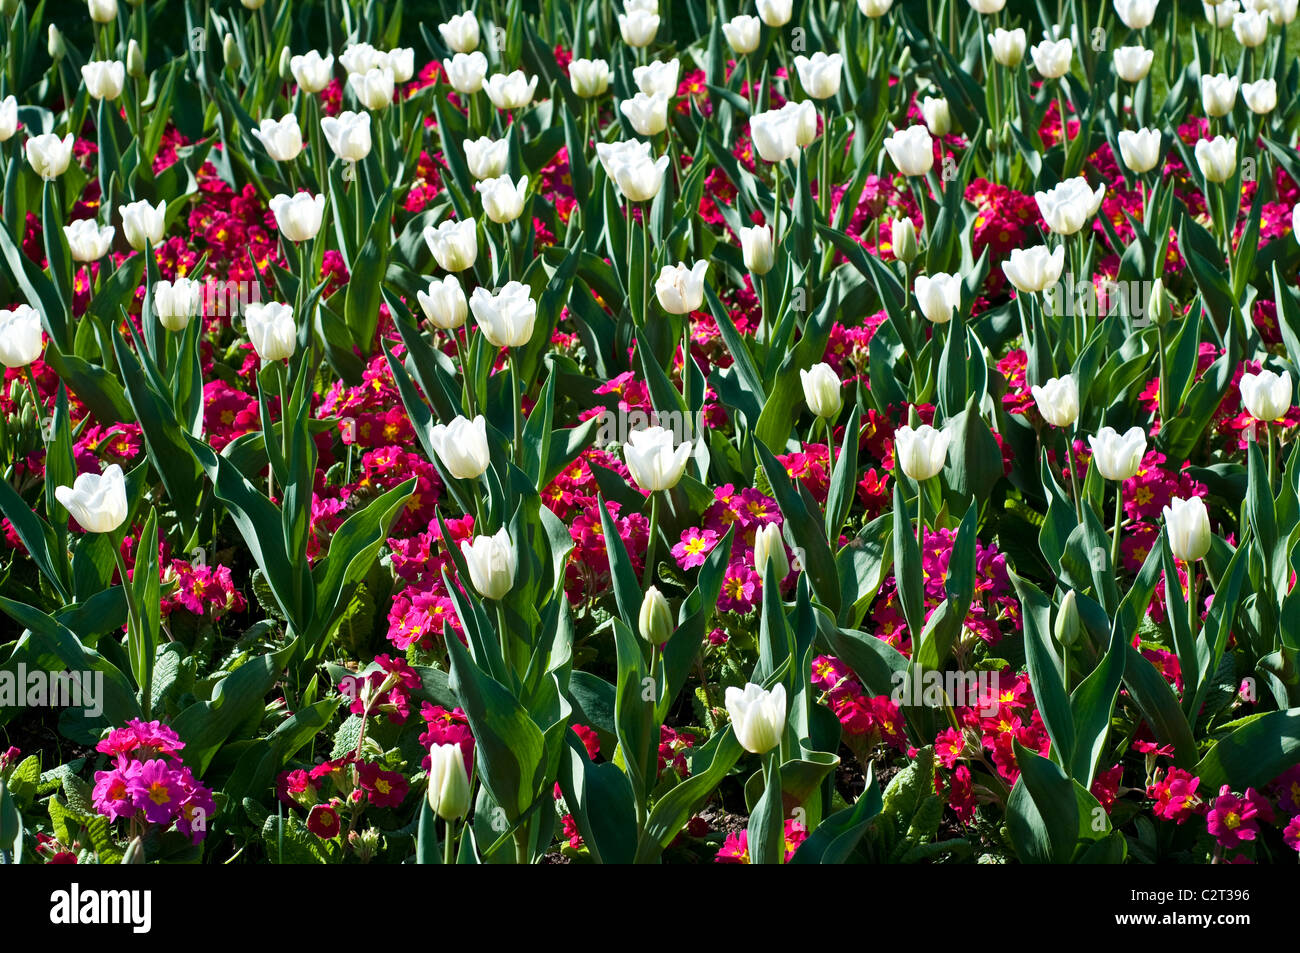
(938, 295)
(655, 620)
(230, 52)
(486, 157)
(465, 71)
(769, 546)
(640, 178)
(460, 33)
(87, 240)
(20, 336)
(756, 246)
(373, 89)
(104, 80)
(1058, 400)
(589, 78)
(652, 460)
(1008, 46)
(1187, 523)
(298, 216)
(874, 8)
(1118, 457)
(511, 91)
(97, 501)
(54, 44)
(1267, 396)
(742, 33)
(507, 317)
(987, 6)
(503, 200)
(311, 71)
(1068, 626)
(937, 117)
(657, 78)
(680, 290)
(1069, 205)
(1132, 63)
(142, 222)
(48, 155)
(134, 60)
(454, 244)
(348, 135)
(8, 118)
(757, 716)
(1140, 150)
(444, 303)
(177, 302)
(1035, 269)
(1052, 57)
(819, 74)
(821, 390)
(647, 114)
(491, 561)
(775, 12)
(1250, 27)
(902, 239)
(775, 135)
(1136, 14)
(912, 150)
(921, 452)
(103, 11)
(638, 27)
(1261, 96)
(1218, 93)
(362, 58)
(282, 139)
(271, 330)
(448, 790)
(1217, 158)
(804, 115)
(253, 4)
(462, 447)
(402, 63)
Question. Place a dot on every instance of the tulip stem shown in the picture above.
(1119, 515)
(824, 184)
(776, 204)
(1272, 455)
(518, 406)
(36, 402)
(503, 634)
(135, 632)
(648, 571)
(920, 514)
(1193, 596)
(448, 850)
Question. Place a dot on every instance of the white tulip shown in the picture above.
(987, 6)
(507, 317)
(775, 12)
(874, 8)
(1217, 158)
(448, 790)
(402, 63)
(348, 135)
(1187, 524)
(680, 290)
(1282, 12)
(1066, 207)
(454, 244)
(921, 452)
(1058, 400)
(1118, 457)
(651, 459)
(1261, 96)
(612, 154)
(657, 78)
(87, 240)
(1136, 14)
(757, 716)
(142, 222)
(512, 91)
(103, 11)
(1052, 57)
(939, 295)
(1250, 27)
(640, 178)
(821, 390)
(491, 561)
(373, 89)
(361, 58)
(460, 33)
(462, 447)
(444, 303)
(1133, 63)
(1267, 396)
(589, 78)
(1220, 14)
(769, 546)
(804, 116)
(1008, 46)
(104, 80)
(272, 330)
(8, 118)
(756, 247)
(298, 216)
(20, 336)
(1033, 270)
(486, 157)
(1218, 93)
(177, 302)
(638, 27)
(503, 200)
(912, 150)
(647, 114)
(902, 240)
(1140, 150)
(465, 71)
(938, 118)
(281, 139)
(311, 71)
(742, 33)
(655, 620)
(97, 501)
(819, 74)
(48, 155)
